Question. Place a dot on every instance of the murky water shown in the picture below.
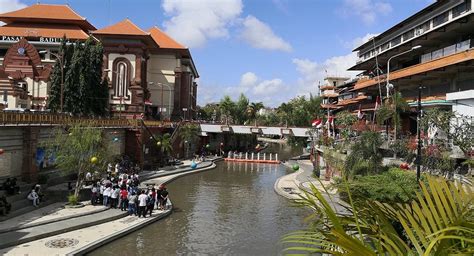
(230, 210)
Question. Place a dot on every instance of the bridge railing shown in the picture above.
(46, 119)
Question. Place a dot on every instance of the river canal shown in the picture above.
(230, 210)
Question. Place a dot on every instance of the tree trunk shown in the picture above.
(78, 187)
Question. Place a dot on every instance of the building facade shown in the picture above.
(432, 50)
(150, 75)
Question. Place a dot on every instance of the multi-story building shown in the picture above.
(432, 49)
(149, 73)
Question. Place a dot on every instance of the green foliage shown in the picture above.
(73, 199)
(402, 150)
(300, 111)
(365, 156)
(394, 186)
(439, 222)
(344, 121)
(189, 132)
(165, 143)
(240, 110)
(85, 93)
(75, 148)
(227, 107)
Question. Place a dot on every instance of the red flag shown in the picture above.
(316, 122)
(377, 103)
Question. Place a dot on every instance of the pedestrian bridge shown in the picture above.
(257, 130)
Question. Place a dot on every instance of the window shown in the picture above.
(396, 41)
(385, 46)
(121, 77)
(334, 83)
(437, 54)
(462, 46)
(408, 35)
(440, 19)
(422, 28)
(3, 52)
(460, 9)
(449, 50)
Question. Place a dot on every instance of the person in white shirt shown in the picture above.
(33, 196)
(142, 202)
(114, 195)
(107, 193)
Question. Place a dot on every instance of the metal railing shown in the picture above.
(51, 119)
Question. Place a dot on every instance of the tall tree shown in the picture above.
(76, 149)
(84, 91)
(227, 107)
(66, 52)
(240, 110)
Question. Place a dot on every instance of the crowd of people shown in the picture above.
(120, 189)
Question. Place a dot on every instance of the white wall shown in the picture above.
(463, 102)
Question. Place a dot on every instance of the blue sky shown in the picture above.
(271, 50)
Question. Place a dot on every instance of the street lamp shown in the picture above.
(418, 131)
(60, 58)
(388, 66)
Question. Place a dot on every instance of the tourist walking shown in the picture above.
(142, 203)
(158, 197)
(132, 203)
(33, 196)
(124, 199)
(5, 206)
(94, 193)
(101, 192)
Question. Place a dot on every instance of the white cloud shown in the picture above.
(312, 73)
(261, 36)
(194, 22)
(10, 5)
(367, 10)
(248, 79)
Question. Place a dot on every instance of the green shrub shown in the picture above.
(72, 200)
(394, 186)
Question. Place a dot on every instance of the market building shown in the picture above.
(150, 74)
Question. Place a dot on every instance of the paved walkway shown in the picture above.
(53, 230)
(292, 185)
(83, 240)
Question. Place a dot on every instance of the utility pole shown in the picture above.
(418, 151)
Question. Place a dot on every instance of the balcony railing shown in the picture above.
(35, 119)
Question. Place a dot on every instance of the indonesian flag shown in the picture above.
(377, 103)
(330, 121)
(360, 115)
(317, 123)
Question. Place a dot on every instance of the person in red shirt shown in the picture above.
(124, 199)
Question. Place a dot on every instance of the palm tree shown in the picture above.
(253, 109)
(400, 106)
(164, 142)
(440, 222)
(189, 133)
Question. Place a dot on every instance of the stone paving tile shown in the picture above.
(68, 242)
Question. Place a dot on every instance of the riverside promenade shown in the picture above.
(292, 185)
(55, 230)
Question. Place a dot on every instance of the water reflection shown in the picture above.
(231, 210)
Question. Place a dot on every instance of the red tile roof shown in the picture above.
(52, 30)
(124, 27)
(163, 40)
(47, 13)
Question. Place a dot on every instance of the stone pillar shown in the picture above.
(30, 144)
(138, 69)
(177, 94)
